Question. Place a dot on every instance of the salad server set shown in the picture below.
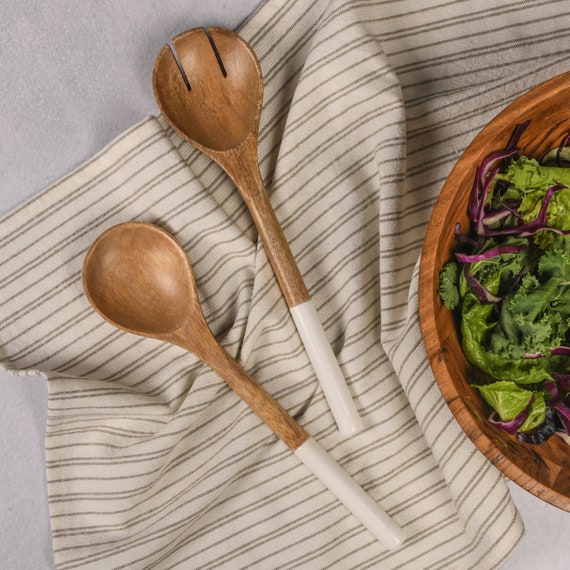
(209, 87)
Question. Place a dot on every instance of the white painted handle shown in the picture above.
(360, 503)
(326, 368)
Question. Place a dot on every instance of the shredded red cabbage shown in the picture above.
(486, 171)
(511, 426)
(563, 412)
(483, 294)
(473, 258)
(563, 380)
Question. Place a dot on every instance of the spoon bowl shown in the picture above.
(224, 109)
(127, 268)
(139, 279)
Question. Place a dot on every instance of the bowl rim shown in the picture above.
(430, 305)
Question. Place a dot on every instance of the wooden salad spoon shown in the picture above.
(208, 85)
(139, 278)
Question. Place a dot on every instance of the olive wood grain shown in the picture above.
(219, 114)
(543, 470)
(139, 279)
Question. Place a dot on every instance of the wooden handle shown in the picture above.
(261, 403)
(242, 166)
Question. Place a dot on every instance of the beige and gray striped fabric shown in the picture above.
(152, 462)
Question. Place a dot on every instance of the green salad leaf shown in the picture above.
(535, 317)
(529, 182)
(448, 285)
(536, 414)
(506, 398)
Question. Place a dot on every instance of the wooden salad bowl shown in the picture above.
(543, 470)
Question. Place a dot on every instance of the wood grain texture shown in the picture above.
(139, 279)
(220, 115)
(542, 470)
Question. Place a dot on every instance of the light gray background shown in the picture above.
(73, 76)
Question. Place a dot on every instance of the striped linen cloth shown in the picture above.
(152, 462)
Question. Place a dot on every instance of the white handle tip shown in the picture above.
(354, 498)
(350, 426)
(326, 368)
